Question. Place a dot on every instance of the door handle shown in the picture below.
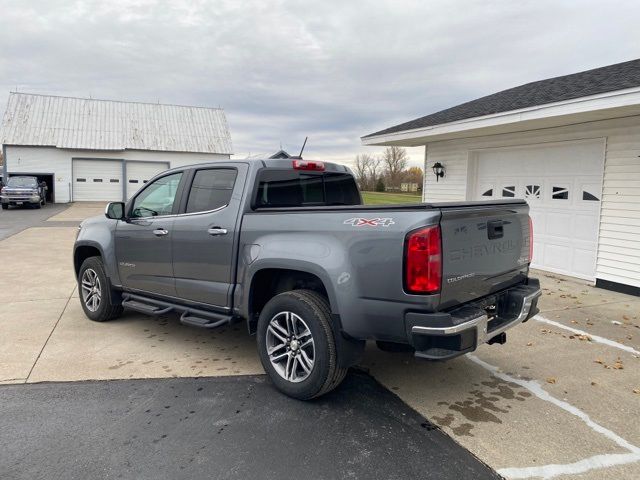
(215, 231)
(160, 232)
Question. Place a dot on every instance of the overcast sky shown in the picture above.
(286, 69)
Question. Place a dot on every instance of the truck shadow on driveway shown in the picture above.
(231, 427)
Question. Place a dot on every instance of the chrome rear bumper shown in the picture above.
(470, 326)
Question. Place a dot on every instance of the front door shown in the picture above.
(143, 241)
(203, 235)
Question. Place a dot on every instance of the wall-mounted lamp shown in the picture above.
(438, 170)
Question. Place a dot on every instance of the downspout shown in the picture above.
(4, 162)
(424, 172)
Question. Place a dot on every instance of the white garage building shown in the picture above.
(568, 145)
(100, 150)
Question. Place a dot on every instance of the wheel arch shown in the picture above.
(267, 282)
(82, 252)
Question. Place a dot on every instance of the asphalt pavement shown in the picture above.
(232, 427)
(17, 219)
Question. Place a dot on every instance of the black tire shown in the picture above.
(37, 205)
(105, 310)
(314, 310)
(5, 206)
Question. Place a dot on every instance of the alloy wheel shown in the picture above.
(91, 289)
(290, 346)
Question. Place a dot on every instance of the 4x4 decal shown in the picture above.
(369, 222)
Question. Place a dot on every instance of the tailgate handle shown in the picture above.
(495, 229)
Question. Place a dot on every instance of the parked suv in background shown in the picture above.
(288, 247)
(23, 190)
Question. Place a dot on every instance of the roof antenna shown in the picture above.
(302, 149)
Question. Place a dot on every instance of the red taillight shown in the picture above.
(530, 240)
(306, 165)
(423, 261)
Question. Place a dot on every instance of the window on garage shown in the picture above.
(560, 193)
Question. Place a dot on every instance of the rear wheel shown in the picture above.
(5, 206)
(95, 292)
(297, 346)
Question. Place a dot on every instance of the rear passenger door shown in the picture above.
(204, 234)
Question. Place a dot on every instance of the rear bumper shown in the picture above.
(444, 335)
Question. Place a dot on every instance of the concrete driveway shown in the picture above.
(559, 400)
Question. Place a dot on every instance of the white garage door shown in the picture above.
(563, 185)
(97, 180)
(139, 173)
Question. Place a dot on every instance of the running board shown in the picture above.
(190, 318)
(194, 317)
(145, 308)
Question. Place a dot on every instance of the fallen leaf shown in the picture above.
(551, 380)
(625, 317)
(615, 322)
(529, 344)
(574, 321)
(593, 383)
(597, 360)
(584, 337)
(636, 390)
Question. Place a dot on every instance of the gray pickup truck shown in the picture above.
(288, 247)
(23, 190)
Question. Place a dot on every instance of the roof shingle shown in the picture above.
(591, 82)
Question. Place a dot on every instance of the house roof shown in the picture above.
(591, 82)
(82, 123)
(281, 154)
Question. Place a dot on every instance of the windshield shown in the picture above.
(22, 182)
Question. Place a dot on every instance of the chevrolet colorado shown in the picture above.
(288, 247)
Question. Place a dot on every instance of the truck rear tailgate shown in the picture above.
(485, 250)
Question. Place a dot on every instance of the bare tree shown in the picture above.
(362, 167)
(395, 161)
(374, 171)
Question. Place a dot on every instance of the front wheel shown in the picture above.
(5, 206)
(95, 292)
(297, 346)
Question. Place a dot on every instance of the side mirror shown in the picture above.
(115, 211)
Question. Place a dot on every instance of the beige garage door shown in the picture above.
(563, 185)
(97, 180)
(139, 173)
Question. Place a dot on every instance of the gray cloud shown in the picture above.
(284, 70)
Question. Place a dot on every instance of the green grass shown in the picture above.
(384, 198)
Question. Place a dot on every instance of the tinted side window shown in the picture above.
(157, 198)
(211, 189)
